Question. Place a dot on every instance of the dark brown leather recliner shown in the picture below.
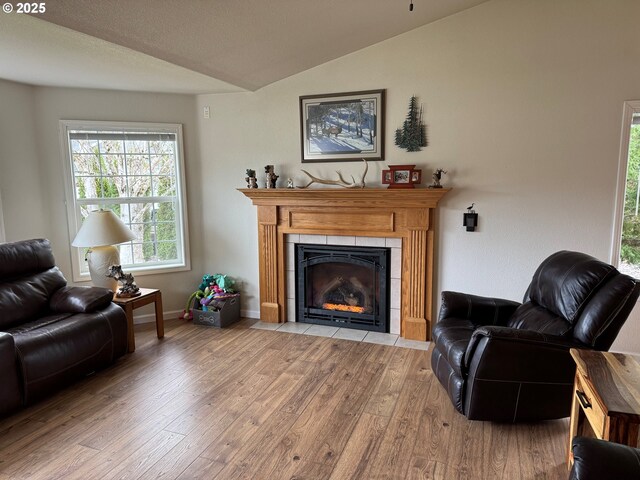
(598, 460)
(50, 334)
(505, 361)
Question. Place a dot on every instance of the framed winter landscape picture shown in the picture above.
(342, 127)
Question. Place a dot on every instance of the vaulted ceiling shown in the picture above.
(198, 46)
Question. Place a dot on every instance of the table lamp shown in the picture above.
(100, 231)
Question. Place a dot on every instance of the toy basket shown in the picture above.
(220, 313)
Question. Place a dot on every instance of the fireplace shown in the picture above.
(406, 214)
(345, 286)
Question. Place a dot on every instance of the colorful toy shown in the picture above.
(213, 287)
(222, 281)
(187, 314)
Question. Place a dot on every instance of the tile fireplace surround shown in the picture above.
(394, 244)
(406, 214)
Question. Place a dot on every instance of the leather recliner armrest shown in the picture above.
(597, 459)
(80, 299)
(479, 310)
(510, 354)
(10, 393)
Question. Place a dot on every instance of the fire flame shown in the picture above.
(342, 308)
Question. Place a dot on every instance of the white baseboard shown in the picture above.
(174, 314)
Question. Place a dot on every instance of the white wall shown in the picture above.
(523, 104)
(21, 181)
(3, 236)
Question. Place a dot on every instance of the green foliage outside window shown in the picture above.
(164, 246)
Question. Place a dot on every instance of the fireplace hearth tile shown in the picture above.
(350, 334)
(294, 327)
(414, 344)
(342, 334)
(266, 326)
(321, 331)
(380, 338)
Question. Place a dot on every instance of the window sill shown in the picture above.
(160, 270)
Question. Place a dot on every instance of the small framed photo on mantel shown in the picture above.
(342, 127)
(402, 176)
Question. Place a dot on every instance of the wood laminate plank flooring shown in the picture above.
(206, 403)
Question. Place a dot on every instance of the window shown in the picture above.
(626, 241)
(137, 171)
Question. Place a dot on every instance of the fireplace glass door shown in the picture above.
(343, 286)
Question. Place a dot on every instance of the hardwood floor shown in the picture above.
(205, 403)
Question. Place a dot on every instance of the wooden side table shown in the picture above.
(607, 394)
(147, 296)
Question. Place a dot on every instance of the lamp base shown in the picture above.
(99, 259)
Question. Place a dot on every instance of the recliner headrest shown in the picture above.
(565, 281)
(25, 258)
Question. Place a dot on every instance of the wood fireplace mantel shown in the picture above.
(370, 212)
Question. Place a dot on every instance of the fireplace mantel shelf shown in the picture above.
(371, 197)
(374, 212)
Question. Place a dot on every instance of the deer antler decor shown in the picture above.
(341, 181)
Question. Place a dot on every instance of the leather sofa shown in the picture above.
(598, 459)
(50, 333)
(506, 361)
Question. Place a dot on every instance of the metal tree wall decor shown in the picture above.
(413, 133)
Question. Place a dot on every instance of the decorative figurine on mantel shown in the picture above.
(252, 181)
(271, 177)
(437, 176)
(129, 288)
(290, 183)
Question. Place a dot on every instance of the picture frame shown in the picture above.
(342, 127)
(402, 176)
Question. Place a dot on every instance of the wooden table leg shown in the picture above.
(159, 317)
(576, 411)
(131, 339)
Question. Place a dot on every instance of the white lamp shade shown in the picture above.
(102, 228)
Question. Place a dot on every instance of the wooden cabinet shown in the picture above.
(606, 396)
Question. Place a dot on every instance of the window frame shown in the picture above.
(630, 108)
(74, 219)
